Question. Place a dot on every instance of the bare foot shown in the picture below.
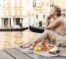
(25, 45)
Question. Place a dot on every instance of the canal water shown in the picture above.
(12, 39)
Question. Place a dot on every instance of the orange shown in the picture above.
(65, 52)
(36, 48)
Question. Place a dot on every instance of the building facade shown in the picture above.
(15, 13)
(41, 10)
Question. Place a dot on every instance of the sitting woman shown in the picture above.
(55, 29)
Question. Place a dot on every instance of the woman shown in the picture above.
(55, 29)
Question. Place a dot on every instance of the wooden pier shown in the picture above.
(16, 53)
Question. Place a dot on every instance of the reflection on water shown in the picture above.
(15, 39)
(10, 39)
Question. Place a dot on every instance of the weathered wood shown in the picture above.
(36, 56)
(4, 55)
(17, 54)
(32, 55)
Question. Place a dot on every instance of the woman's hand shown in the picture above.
(49, 17)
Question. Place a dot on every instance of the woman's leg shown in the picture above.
(39, 38)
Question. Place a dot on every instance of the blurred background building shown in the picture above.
(22, 13)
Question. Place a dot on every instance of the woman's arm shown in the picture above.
(47, 21)
(54, 24)
(46, 24)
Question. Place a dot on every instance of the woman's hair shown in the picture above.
(58, 10)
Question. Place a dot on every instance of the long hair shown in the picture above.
(58, 10)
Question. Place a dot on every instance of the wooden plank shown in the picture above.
(32, 55)
(36, 56)
(25, 50)
(17, 54)
(4, 55)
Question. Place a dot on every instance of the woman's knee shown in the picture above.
(46, 31)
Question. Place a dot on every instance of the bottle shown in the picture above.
(44, 46)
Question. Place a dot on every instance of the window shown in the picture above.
(6, 22)
(37, 16)
(43, 16)
(63, 14)
(17, 22)
(40, 23)
(34, 4)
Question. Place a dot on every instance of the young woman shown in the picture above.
(55, 29)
